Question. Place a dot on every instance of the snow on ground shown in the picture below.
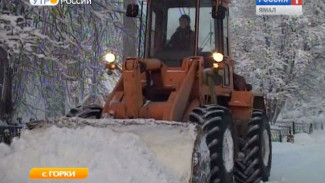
(301, 162)
(110, 156)
(117, 156)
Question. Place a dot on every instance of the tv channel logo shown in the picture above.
(44, 2)
(279, 7)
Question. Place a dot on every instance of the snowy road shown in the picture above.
(301, 162)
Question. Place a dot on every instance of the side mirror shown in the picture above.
(132, 10)
(249, 87)
(219, 12)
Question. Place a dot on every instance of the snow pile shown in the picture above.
(317, 137)
(114, 157)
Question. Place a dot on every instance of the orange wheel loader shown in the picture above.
(184, 75)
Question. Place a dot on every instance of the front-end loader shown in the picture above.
(192, 83)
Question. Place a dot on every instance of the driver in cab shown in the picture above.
(183, 38)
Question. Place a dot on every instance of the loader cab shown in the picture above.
(204, 33)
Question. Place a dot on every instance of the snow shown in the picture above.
(266, 148)
(2, 123)
(301, 162)
(12, 19)
(134, 153)
(228, 151)
(142, 153)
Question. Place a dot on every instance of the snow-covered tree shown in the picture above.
(275, 53)
(56, 52)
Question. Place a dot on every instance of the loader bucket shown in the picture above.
(179, 147)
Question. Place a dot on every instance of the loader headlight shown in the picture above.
(109, 57)
(218, 57)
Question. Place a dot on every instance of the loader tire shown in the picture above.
(253, 163)
(90, 111)
(217, 125)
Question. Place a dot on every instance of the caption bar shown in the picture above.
(279, 7)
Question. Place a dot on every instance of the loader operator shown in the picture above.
(183, 38)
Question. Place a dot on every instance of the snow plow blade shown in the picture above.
(179, 147)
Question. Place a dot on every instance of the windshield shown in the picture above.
(206, 30)
(173, 33)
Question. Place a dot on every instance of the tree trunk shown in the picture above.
(2, 73)
(6, 104)
(278, 109)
